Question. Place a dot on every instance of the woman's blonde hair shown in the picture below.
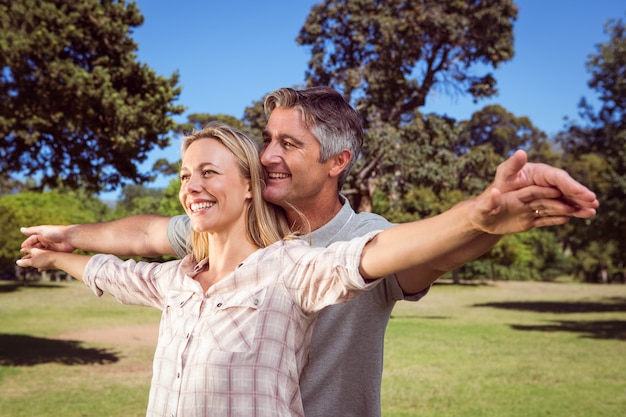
(266, 222)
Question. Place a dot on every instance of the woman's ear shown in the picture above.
(249, 193)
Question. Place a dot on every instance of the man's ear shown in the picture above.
(340, 162)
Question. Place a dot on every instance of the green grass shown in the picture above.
(510, 349)
(43, 372)
(505, 349)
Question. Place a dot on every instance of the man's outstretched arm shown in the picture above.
(522, 196)
(139, 235)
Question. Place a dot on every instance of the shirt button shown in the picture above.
(219, 304)
(256, 301)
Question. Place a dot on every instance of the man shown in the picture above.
(311, 141)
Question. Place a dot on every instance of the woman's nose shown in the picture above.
(194, 183)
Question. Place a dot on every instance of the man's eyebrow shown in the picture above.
(297, 141)
(283, 136)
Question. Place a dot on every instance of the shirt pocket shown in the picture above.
(178, 316)
(235, 320)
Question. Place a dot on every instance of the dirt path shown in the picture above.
(136, 335)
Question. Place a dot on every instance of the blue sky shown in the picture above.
(231, 53)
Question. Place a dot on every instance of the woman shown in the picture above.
(236, 320)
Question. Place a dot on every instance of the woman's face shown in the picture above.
(212, 191)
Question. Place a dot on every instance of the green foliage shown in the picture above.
(417, 203)
(488, 138)
(170, 204)
(533, 255)
(138, 199)
(32, 208)
(391, 54)
(255, 118)
(600, 262)
(75, 104)
(503, 131)
(597, 153)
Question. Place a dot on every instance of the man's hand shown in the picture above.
(47, 237)
(527, 195)
(516, 173)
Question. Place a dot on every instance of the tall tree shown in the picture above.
(75, 103)
(387, 56)
(604, 136)
(490, 136)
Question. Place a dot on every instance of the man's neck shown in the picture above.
(317, 215)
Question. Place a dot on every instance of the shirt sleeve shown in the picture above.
(319, 277)
(177, 232)
(130, 282)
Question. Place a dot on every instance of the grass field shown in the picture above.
(502, 349)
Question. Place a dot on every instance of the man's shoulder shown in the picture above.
(366, 221)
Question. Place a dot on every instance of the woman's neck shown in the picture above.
(225, 254)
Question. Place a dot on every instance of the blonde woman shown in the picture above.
(236, 320)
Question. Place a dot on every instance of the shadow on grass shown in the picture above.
(10, 286)
(444, 282)
(22, 350)
(610, 329)
(614, 304)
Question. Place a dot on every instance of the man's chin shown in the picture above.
(273, 196)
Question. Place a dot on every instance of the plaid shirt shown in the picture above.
(239, 348)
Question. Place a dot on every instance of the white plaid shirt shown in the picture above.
(239, 348)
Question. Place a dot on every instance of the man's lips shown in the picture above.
(277, 175)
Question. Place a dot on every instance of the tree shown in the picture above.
(75, 104)
(138, 199)
(601, 143)
(403, 161)
(170, 204)
(387, 56)
(490, 136)
(31, 208)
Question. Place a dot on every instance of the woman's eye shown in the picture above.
(184, 177)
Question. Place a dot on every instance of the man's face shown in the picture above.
(290, 156)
